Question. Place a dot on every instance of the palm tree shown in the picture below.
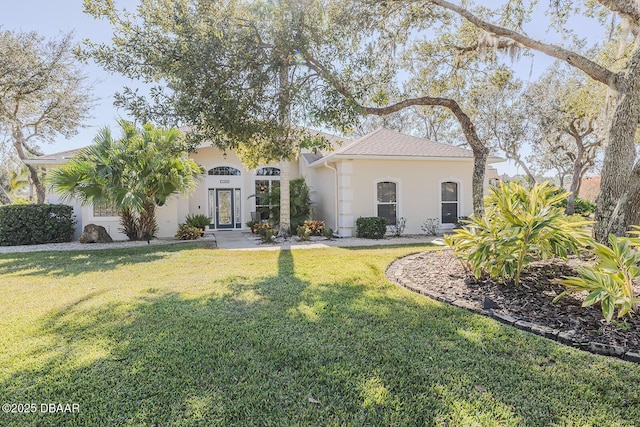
(135, 173)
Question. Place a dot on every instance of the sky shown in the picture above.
(50, 18)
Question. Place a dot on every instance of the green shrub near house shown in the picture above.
(188, 232)
(371, 227)
(35, 224)
(198, 221)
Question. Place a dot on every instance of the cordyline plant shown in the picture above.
(610, 281)
(521, 225)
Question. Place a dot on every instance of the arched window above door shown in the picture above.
(224, 170)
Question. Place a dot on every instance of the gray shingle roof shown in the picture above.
(385, 142)
(54, 158)
(312, 157)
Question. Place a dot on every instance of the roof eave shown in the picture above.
(339, 156)
(46, 162)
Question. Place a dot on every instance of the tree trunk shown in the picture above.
(614, 201)
(285, 200)
(477, 182)
(632, 213)
(284, 117)
(4, 197)
(129, 224)
(147, 225)
(33, 171)
(37, 182)
(575, 178)
(526, 170)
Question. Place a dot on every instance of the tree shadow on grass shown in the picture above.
(70, 263)
(286, 351)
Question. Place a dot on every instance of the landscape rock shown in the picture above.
(93, 233)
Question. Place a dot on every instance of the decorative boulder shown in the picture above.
(95, 234)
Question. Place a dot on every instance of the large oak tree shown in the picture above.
(228, 70)
(43, 94)
(618, 204)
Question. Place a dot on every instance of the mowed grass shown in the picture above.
(190, 336)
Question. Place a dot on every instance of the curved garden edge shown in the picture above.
(395, 273)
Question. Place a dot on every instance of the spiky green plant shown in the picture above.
(610, 281)
(520, 225)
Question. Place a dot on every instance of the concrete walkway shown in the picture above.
(231, 240)
(244, 240)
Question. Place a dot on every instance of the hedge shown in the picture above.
(371, 227)
(35, 224)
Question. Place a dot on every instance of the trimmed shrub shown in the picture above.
(372, 227)
(583, 206)
(188, 232)
(35, 224)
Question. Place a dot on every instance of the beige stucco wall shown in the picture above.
(418, 189)
(210, 157)
(166, 216)
(179, 206)
(322, 182)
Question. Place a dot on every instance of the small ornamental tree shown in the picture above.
(135, 173)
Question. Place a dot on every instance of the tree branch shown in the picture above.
(627, 9)
(592, 69)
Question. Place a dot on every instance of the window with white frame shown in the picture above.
(449, 202)
(104, 209)
(267, 186)
(387, 201)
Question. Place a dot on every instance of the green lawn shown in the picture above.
(191, 336)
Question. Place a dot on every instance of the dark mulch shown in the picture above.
(441, 273)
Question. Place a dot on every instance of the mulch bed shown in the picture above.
(528, 306)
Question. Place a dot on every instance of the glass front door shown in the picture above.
(224, 211)
(225, 207)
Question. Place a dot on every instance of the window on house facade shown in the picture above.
(104, 209)
(224, 170)
(387, 201)
(449, 201)
(264, 188)
(268, 171)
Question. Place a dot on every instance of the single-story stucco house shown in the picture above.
(384, 173)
